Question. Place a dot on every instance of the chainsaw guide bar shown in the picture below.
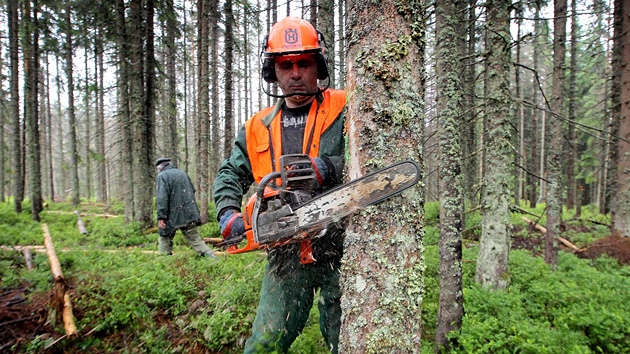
(272, 221)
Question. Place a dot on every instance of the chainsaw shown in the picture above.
(285, 207)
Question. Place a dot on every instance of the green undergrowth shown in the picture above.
(127, 299)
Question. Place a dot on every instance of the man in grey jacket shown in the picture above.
(177, 209)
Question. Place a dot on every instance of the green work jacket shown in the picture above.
(175, 200)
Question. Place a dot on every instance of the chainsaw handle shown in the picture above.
(260, 190)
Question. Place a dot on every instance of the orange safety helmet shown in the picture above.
(292, 35)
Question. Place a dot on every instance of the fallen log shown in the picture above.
(83, 214)
(61, 298)
(38, 249)
(80, 224)
(543, 230)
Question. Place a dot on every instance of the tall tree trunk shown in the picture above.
(341, 5)
(61, 158)
(203, 12)
(101, 161)
(571, 153)
(611, 148)
(532, 126)
(383, 286)
(470, 134)
(16, 141)
(215, 121)
(326, 20)
(3, 119)
(621, 217)
(449, 19)
(49, 128)
(74, 152)
(171, 136)
(88, 132)
(144, 115)
(228, 136)
(554, 150)
(31, 105)
(246, 56)
(494, 245)
(124, 78)
(520, 121)
(186, 163)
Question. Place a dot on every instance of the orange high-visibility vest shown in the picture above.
(263, 134)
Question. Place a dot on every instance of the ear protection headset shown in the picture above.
(268, 64)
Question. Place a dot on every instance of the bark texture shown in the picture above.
(16, 141)
(554, 168)
(494, 245)
(382, 271)
(621, 217)
(450, 118)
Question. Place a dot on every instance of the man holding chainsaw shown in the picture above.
(306, 120)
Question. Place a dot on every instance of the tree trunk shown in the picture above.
(536, 121)
(124, 78)
(88, 132)
(326, 19)
(520, 143)
(31, 106)
(16, 141)
(470, 131)
(382, 272)
(621, 217)
(74, 152)
(571, 152)
(171, 148)
(554, 151)
(228, 132)
(494, 245)
(341, 5)
(449, 18)
(49, 128)
(101, 161)
(203, 13)
(61, 158)
(144, 115)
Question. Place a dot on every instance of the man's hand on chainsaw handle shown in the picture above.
(231, 224)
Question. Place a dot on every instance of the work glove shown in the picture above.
(231, 224)
(321, 170)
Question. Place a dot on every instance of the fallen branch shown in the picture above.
(61, 297)
(514, 207)
(543, 230)
(213, 240)
(28, 257)
(80, 224)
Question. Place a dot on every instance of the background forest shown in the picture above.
(510, 107)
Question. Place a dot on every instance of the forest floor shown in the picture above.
(24, 318)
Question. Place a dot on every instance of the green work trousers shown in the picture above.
(286, 298)
(165, 243)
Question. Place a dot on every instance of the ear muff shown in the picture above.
(322, 67)
(269, 71)
(320, 58)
